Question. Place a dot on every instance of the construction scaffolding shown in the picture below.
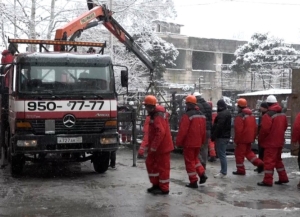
(261, 78)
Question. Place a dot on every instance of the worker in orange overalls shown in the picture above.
(191, 136)
(245, 129)
(160, 145)
(271, 137)
(211, 145)
(144, 145)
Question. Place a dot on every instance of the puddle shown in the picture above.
(244, 189)
(266, 204)
(258, 204)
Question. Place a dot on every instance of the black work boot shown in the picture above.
(154, 187)
(203, 179)
(260, 169)
(192, 185)
(158, 191)
(281, 182)
(263, 184)
(238, 173)
(212, 159)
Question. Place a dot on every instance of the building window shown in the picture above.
(203, 61)
(158, 28)
(228, 58)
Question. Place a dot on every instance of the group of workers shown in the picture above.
(199, 136)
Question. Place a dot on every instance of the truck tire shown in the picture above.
(16, 165)
(101, 162)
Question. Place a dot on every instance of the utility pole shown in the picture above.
(15, 19)
(111, 37)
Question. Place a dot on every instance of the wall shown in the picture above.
(295, 99)
(200, 58)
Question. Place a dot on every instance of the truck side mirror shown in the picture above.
(124, 78)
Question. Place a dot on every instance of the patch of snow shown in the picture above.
(287, 155)
(267, 92)
(291, 209)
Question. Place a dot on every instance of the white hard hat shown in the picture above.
(197, 94)
(271, 99)
(131, 103)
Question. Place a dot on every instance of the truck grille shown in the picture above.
(81, 126)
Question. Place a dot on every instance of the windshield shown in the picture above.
(65, 79)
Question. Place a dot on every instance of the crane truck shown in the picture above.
(61, 104)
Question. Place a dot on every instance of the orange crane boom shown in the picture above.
(74, 28)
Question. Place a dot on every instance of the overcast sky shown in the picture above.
(239, 19)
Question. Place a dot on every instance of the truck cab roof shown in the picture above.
(57, 58)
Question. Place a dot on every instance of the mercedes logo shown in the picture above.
(69, 120)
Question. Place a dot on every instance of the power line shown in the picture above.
(262, 2)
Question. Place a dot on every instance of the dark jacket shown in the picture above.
(205, 108)
(222, 125)
(259, 121)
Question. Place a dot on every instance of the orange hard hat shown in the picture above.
(150, 100)
(191, 99)
(242, 102)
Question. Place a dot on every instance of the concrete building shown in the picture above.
(199, 62)
(199, 65)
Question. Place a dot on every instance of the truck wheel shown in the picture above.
(16, 165)
(101, 162)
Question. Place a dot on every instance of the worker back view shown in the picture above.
(191, 136)
(245, 129)
(205, 108)
(271, 137)
(159, 145)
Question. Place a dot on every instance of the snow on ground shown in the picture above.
(267, 92)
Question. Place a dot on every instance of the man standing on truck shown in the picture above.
(191, 135)
(271, 137)
(7, 57)
(207, 111)
(245, 129)
(160, 146)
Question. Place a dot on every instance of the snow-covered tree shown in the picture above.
(261, 50)
(33, 18)
(264, 56)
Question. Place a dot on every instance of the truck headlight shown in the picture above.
(27, 143)
(108, 140)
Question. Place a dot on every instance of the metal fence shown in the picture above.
(176, 107)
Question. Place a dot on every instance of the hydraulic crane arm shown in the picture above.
(74, 28)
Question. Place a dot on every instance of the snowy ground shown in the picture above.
(76, 190)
